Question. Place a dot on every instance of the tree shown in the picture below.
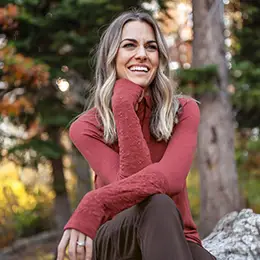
(62, 37)
(246, 61)
(218, 175)
(23, 100)
(246, 97)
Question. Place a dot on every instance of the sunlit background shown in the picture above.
(46, 69)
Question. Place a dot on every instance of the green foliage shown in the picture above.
(48, 149)
(4, 3)
(245, 73)
(58, 33)
(251, 190)
(253, 146)
(193, 186)
(197, 75)
(198, 80)
(247, 158)
(83, 2)
(33, 221)
(65, 32)
(53, 113)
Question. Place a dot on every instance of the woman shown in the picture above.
(139, 139)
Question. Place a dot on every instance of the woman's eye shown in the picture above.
(152, 47)
(129, 45)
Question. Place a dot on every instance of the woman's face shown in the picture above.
(138, 56)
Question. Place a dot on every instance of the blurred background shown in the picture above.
(46, 71)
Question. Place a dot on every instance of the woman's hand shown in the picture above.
(126, 91)
(80, 246)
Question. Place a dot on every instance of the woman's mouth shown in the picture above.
(139, 69)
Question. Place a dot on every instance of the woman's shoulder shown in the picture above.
(186, 100)
(188, 106)
(88, 117)
(86, 123)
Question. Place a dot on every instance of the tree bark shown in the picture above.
(82, 170)
(61, 204)
(218, 175)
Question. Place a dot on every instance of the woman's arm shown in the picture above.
(177, 159)
(100, 205)
(167, 176)
(133, 155)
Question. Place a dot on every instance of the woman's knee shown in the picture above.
(161, 200)
(161, 203)
(159, 210)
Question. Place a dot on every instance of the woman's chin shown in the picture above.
(141, 82)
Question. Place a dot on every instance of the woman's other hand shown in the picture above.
(80, 246)
(126, 91)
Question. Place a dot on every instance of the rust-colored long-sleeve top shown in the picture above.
(136, 166)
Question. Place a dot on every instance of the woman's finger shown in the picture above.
(80, 249)
(63, 244)
(89, 248)
(72, 244)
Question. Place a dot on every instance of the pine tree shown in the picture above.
(62, 36)
(246, 62)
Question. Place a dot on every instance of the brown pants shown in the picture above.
(150, 230)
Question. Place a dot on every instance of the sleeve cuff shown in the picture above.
(125, 88)
(88, 216)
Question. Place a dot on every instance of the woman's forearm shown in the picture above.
(134, 154)
(102, 204)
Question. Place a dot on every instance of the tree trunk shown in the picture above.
(61, 204)
(82, 169)
(218, 175)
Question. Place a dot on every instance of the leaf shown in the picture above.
(48, 149)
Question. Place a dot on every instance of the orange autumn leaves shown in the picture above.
(7, 17)
(18, 74)
(21, 72)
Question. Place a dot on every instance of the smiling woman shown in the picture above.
(138, 56)
(139, 138)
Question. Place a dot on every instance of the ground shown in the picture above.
(44, 251)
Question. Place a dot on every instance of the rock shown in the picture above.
(236, 237)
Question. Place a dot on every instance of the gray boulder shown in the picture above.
(236, 237)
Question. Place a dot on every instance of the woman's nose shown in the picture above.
(141, 53)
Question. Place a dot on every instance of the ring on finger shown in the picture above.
(80, 243)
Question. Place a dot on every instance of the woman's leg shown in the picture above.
(160, 230)
(151, 230)
(199, 253)
(117, 238)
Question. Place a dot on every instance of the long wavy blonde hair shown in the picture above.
(165, 102)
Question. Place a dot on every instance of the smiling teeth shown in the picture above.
(139, 68)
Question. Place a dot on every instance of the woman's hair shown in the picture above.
(165, 102)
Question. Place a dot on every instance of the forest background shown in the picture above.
(46, 72)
